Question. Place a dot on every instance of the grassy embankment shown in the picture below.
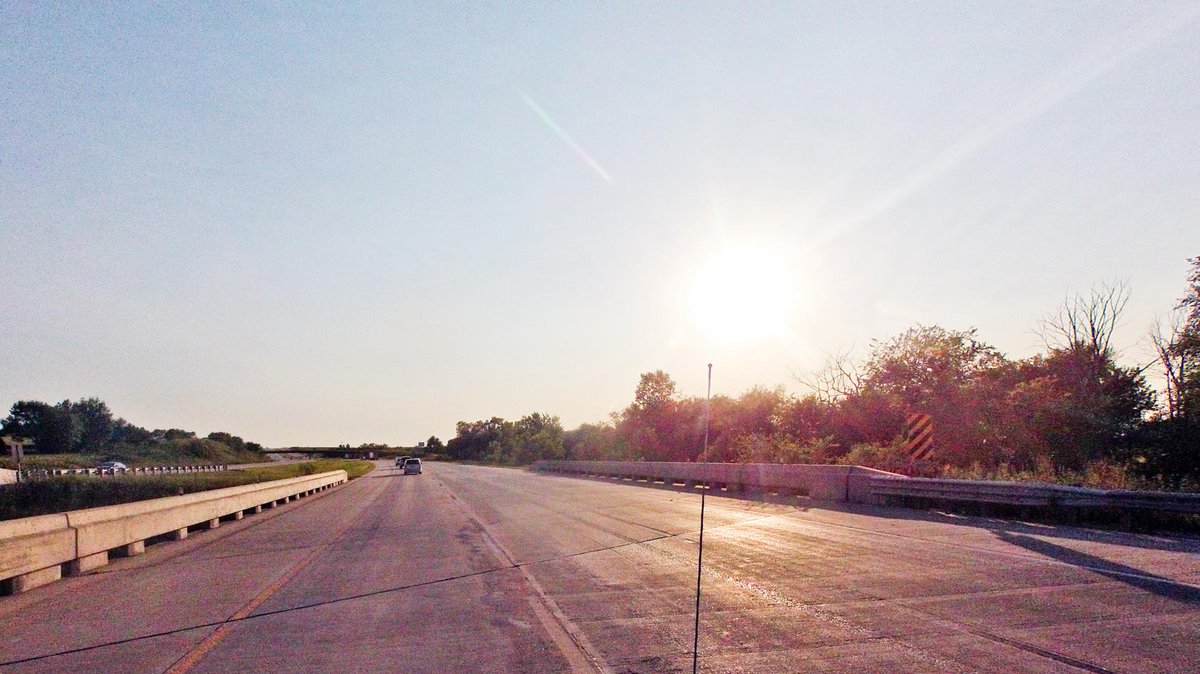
(190, 452)
(66, 493)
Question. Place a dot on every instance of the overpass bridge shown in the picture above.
(348, 452)
(475, 569)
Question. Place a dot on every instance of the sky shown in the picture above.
(314, 225)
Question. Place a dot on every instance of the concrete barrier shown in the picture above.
(34, 550)
(822, 482)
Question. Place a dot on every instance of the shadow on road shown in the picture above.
(1159, 585)
(1167, 542)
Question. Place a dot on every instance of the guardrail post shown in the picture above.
(28, 581)
(87, 563)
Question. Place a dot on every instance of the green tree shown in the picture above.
(950, 375)
(125, 432)
(160, 435)
(1097, 405)
(482, 439)
(537, 436)
(228, 439)
(1187, 348)
(595, 442)
(805, 419)
(1076, 406)
(655, 394)
(1169, 446)
(758, 412)
(95, 422)
(723, 429)
(649, 424)
(51, 427)
(434, 444)
(1168, 341)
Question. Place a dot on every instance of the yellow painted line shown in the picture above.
(194, 656)
(213, 640)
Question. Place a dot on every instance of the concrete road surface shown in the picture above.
(469, 569)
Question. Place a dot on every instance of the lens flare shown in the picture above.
(558, 130)
(744, 295)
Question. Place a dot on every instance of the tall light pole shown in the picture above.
(700, 554)
(707, 402)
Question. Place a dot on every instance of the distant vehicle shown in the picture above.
(401, 459)
(111, 465)
(412, 467)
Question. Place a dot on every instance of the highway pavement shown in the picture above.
(476, 569)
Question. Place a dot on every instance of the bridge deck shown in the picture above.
(480, 569)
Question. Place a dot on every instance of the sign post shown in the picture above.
(16, 447)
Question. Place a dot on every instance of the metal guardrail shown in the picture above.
(46, 473)
(895, 491)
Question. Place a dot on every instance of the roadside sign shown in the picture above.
(16, 446)
(918, 435)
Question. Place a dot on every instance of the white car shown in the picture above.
(412, 467)
(111, 465)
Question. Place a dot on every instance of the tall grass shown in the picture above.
(62, 494)
(189, 452)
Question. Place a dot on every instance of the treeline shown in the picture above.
(1071, 412)
(88, 427)
(532, 437)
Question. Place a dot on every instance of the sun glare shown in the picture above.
(744, 295)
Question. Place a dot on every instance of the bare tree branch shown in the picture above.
(1086, 323)
(1171, 357)
(837, 379)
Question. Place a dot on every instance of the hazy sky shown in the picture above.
(364, 223)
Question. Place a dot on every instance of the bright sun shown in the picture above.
(743, 295)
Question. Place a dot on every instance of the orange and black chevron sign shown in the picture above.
(918, 435)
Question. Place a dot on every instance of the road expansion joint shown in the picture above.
(913, 649)
(926, 617)
(570, 640)
(255, 616)
(266, 614)
(774, 597)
